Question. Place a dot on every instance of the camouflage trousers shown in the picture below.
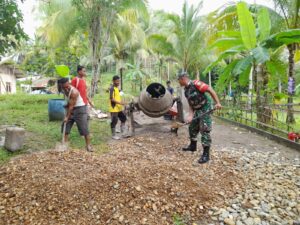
(202, 125)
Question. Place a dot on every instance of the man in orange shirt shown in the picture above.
(80, 84)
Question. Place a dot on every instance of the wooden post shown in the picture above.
(121, 76)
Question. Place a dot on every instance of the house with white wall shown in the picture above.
(8, 78)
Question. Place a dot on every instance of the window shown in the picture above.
(8, 87)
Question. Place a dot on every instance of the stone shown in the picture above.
(229, 221)
(138, 188)
(121, 218)
(257, 221)
(116, 186)
(239, 222)
(14, 138)
(249, 221)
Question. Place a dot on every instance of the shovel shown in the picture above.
(63, 146)
(177, 125)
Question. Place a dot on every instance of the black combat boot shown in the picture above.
(205, 156)
(191, 148)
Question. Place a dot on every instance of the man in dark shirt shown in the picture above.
(170, 89)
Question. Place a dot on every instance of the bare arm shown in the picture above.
(71, 103)
(215, 97)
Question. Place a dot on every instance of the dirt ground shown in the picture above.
(145, 179)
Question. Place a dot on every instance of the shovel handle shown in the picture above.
(199, 117)
(64, 132)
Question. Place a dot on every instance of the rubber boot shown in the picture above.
(114, 136)
(191, 148)
(122, 128)
(205, 156)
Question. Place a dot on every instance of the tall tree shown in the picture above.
(11, 31)
(290, 12)
(186, 34)
(95, 17)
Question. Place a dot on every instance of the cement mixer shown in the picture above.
(154, 101)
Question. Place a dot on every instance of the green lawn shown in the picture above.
(31, 113)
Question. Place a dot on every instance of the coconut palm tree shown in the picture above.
(94, 18)
(185, 33)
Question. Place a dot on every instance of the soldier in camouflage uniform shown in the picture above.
(195, 92)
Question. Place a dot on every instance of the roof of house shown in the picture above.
(42, 83)
(10, 65)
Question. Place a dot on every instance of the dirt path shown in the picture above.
(148, 180)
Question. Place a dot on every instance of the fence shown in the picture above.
(247, 114)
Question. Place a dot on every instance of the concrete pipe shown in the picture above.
(155, 100)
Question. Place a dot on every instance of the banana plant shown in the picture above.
(250, 49)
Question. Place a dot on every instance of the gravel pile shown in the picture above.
(147, 180)
(271, 195)
(143, 180)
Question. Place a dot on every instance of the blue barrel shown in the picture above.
(56, 110)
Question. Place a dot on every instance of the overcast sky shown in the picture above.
(31, 22)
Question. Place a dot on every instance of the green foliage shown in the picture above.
(226, 76)
(11, 32)
(261, 54)
(242, 65)
(177, 220)
(186, 35)
(283, 38)
(264, 23)
(247, 25)
(62, 70)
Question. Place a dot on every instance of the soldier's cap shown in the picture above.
(182, 74)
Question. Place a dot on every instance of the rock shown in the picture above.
(249, 221)
(154, 207)
(121, 218)
(257, 221)
(144, 221)
(224, 214)
(229, 221)
(14, 138)
(116, 186)
(252, 213)
(239, 222)
(138, 188)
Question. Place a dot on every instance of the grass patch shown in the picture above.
(31, 113)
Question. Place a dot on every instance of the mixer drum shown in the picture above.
(155, 100)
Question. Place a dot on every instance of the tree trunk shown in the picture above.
(168, 70)
(258, 74)
(290, 115)
(279, 86)
(95, 28)
(197, 75)
(250, 91)
(266, 110)
(209, 78)
(121, 78)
